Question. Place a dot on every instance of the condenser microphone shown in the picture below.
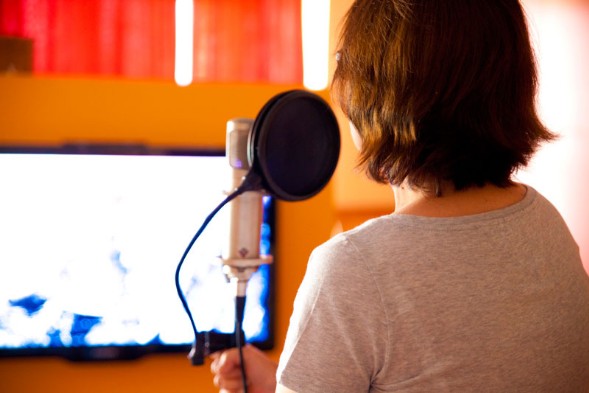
(290, 151)
(241, 252)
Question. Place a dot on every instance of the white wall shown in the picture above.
(560, 30)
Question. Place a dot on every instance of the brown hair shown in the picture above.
(439, 90)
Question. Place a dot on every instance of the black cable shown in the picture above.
(251, 182)
(239, 313)
(194, 238)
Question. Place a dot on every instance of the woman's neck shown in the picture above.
(455, 203)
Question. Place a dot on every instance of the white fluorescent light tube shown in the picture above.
(183, 62)
(315, 29)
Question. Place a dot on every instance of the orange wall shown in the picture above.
(51, 111)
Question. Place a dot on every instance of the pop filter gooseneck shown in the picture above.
(294, 145)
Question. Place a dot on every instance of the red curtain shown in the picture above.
(254, 40)
(234, 40)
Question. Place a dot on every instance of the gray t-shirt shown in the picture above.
(493, 302)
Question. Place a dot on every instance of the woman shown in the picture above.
(474, 283)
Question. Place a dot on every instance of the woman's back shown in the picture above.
(493, 302)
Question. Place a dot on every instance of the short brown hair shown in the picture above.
(440, 90)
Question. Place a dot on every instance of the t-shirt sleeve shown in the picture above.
(337, 338)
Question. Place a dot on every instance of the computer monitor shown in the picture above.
(90, 238)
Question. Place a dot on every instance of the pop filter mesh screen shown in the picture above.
(299, 146)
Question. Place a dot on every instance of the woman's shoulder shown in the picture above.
(356, 244)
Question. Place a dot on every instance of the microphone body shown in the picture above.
(241, 252)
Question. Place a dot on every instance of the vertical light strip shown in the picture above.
(315, 28)
(184, 42)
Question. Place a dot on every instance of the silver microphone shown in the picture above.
(241, 252)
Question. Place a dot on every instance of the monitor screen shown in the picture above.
(90, 239)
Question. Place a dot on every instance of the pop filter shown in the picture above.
(294, 145)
